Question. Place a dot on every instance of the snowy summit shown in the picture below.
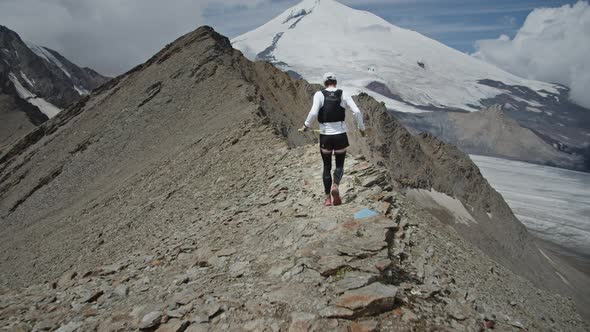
(323, 35)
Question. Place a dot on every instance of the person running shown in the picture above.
(329, 109)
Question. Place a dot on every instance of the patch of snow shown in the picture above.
(565, 281)
(489, 215)
(547, 257)
(49, 57)
(39, 50)
(533, 109)
(453, 205)
(20, 89)
(528, 102)
(81, 91)
(24, 76)
(391, 104)
(44, 106)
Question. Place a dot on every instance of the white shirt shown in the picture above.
(334, 128)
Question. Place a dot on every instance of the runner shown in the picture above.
(329, 109)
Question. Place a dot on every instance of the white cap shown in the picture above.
(329, 77)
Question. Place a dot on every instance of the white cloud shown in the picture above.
(110, 36)
(553, 45)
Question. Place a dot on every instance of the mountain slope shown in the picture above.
(42, 78)
(492, 133)
(406, 70)
(185, 181)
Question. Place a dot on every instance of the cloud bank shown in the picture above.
(553, 45)
(110, 36)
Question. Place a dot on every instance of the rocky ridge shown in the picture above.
(279, 262)
(197, 148)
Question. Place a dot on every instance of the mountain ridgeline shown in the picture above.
(428, 86)
(182, 193)
(35, 84)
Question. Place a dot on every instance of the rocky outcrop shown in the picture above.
(35, 83)
(424, 162)
(181, 194)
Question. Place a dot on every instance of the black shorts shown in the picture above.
(334, 142)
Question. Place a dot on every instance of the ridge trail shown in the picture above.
(279, 261)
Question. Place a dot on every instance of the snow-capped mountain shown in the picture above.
(407, 71)
(35, 84)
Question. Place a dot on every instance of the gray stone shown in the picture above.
(180, 312)
(330, 265)
(70, 327)
(200, 318)
(197, 328)
(174, 325)
(92, 296)
(301, 321)
(210, 309)
(238, 269)
(45, 325)
(121, 290)
(150, 320)
(372, 180)
(354, 280)
(66, 279)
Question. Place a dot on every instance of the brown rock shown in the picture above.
(384, 208)
(336, 312)
(369, 326)
(369, 300)
(489, 324)
(89, 312)
(301, 322)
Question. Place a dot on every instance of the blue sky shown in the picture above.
(456, 23)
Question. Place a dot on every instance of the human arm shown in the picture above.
(315, 109)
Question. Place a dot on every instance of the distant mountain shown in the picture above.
(35, 84)
(491, 132)
(412, 73)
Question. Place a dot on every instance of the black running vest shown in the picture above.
(332, 111)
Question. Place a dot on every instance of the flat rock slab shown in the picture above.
(369, 300)
(330, 265)
(354, 280)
